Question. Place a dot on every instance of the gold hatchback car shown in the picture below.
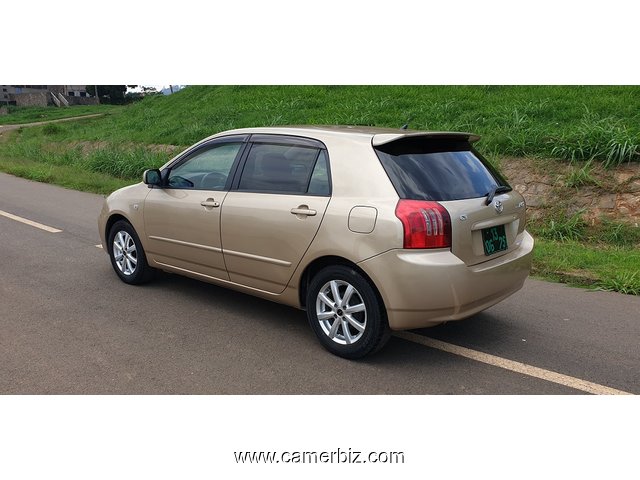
(367, 229)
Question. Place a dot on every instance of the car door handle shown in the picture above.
(210, 203)
(303, 210)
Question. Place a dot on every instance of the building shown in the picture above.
(44, 95)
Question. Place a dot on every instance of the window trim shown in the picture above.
(291, 140)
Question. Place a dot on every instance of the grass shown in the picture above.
(616, 233)
(63, 175)
(562, 228)
(20, 115)
(593, 124)
(589, 127)
(124, 162)
(601, 267)
(605, 256)
(607, 139)
(627, 283)
(582, 176)
(559, 227)
(568, 122)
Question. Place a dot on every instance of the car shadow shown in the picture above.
(483, 330)
(271, 349)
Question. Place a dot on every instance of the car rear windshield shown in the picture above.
(426, 169)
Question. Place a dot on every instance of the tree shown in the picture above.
(146, 91)
(110, 93)
(139, 94)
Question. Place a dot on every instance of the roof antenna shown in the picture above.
(406, 125)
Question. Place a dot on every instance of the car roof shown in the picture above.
(377, 135)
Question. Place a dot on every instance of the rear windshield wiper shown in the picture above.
(497, 189)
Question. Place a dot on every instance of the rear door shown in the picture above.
(452, 173)
(272, 214)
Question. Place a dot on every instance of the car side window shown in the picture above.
(278, 168)
(206, 169)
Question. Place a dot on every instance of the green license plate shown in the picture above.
(494, 239)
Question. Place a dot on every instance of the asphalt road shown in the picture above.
(69, 325)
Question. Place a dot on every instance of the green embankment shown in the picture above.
(573, 124)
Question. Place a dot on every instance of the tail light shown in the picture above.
(426, 224)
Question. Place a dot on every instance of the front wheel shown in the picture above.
(126, 253)
(345, 313)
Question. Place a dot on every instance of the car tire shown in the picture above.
(356, 324)
(127, 255)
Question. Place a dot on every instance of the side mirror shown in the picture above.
(152, 177)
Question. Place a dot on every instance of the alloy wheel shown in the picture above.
(125, 253)
(341, 312)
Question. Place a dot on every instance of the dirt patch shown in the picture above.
(7, 128)
(593, 191)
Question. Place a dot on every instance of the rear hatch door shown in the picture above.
(485, 224)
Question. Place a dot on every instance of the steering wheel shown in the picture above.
(177, 181)
(213, 180)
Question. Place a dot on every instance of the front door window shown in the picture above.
(205, 169)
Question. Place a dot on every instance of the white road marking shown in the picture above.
(26, 221)
(511, 365)
(518, 367)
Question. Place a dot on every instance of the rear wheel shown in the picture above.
(345, 313)
(127, 255)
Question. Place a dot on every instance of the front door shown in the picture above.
(182, 220)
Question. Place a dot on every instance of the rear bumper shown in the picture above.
(423, 288)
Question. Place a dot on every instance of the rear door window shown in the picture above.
(424, 169)
(289, 169)
(319, 184)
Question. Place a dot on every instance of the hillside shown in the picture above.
(573, 152)
(551, 121)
